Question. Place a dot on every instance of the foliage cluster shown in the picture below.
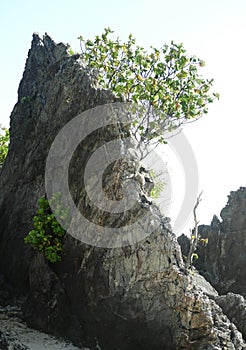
(158, 186)
(47, 235)
(164, 83)
(4, 143)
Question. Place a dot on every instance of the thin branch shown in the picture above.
(194, 236)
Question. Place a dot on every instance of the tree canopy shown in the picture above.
(164, 85)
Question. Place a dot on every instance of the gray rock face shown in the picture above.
(49, 96)
(234, 306)
(135, 297)
(222, 261)
(234, 214)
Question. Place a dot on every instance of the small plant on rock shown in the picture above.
(4, 143)
(47, 235)
(158, 185)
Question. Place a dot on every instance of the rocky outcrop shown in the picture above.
(184, 243)
(130, 297)
(222, 261)
(234, 306)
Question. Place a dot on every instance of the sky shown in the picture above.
(213, 30)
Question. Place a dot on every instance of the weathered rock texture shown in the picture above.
(234, 306)
(222, 261)
(136, 297)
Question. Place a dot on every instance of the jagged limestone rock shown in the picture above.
(133, 297)
(222, 261)
(234, 306)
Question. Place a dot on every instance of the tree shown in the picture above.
(164, 85)
(4, 143)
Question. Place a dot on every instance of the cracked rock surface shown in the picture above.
(222, 261)
(134, 297)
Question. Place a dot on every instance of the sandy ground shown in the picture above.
(16, 335)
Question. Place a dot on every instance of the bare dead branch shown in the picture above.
(194, 235)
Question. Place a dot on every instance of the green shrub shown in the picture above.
(4, 143)
(47, 235)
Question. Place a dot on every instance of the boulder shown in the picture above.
(234, 306)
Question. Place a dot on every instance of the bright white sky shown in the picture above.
(214, 30)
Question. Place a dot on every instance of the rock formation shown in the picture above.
(234, 306)
(222, 261)
(134, 297)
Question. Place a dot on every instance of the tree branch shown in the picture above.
(194, 235)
